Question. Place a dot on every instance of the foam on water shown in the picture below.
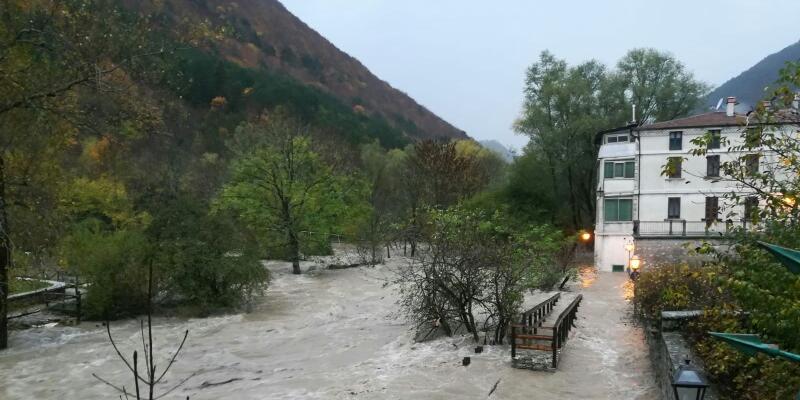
(335, 334)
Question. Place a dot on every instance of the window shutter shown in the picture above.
(750, 208)
(712, 208)
(674, 208)
(675, 167)
(630, 168)
(625, 210)
(676, 140)
(716, 139)
(712, 166)
(611, 210)
(619, 170)
(751, 164)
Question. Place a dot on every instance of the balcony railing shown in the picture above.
(688, 228)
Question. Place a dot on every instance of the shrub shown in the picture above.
(113, 263)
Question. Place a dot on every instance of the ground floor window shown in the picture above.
(618, 210)
(712, 209)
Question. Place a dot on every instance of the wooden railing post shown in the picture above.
(554, 346)
(513, 342)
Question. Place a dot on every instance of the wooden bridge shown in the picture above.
(534, 333)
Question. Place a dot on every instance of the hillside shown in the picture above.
(263, 34)
(749, 86)
(499, 149)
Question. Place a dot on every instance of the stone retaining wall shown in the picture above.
(668, 350)
(658, 251)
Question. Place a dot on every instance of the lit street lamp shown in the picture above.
(689, 383)
(636, 262)
(585, 236)
(629, 247)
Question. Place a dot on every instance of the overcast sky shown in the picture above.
(465, 59)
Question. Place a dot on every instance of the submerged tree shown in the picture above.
(475, 263)
(281, 185)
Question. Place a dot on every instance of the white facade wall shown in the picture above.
(650, 190)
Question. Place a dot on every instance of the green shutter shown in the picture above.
(625, 210)
(629, 169)
(611, 210)
(619, 170)
(609, 170)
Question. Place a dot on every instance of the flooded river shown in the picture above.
(335, 334)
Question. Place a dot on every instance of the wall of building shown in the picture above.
(610, 250)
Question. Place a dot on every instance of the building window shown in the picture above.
(712, 166)
(623, 138)
(752, 137)
(751, 164)
(750, 208)
(618, 210)
(619, 169)
(674, 167)
(712, 209)
(676, 140)
(674, 208)
(716, 139)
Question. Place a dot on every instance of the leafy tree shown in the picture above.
(50, 54)
(283, 186)
(476, 263)
(658, 85)
(565, 106)
(206, 259)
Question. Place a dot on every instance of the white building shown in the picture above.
(638, 205)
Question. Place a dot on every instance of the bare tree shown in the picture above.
(144, 385)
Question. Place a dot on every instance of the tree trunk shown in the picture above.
(294, 250)
(5, 259)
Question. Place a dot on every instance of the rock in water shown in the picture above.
(466, 361)
(478, 349)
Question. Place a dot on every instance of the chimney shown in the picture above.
(729, 110)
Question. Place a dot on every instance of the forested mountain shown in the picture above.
(499, 149)
(749, 87)
(264, 35)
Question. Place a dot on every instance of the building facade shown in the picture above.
(653, 193)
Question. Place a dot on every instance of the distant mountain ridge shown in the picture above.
(499, 149)
(749, 86)
(263, 33)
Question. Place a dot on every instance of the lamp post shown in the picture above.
(688, 383)
(629, 247)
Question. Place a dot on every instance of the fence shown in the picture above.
(688, 228)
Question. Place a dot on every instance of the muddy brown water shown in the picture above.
(336, 335)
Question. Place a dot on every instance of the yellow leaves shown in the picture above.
(218, 102)
(102, 198)
(97, 150)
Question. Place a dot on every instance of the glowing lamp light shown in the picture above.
(630, 247)
(636, 262)
(585, 236)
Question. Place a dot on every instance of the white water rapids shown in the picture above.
(335, 334)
